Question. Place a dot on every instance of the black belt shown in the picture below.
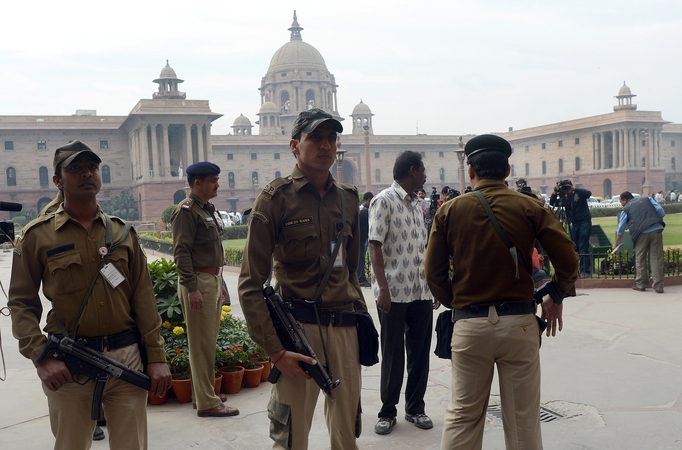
(328, 317)
(111, 342)
(503, 309)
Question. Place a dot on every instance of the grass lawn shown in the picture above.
(672, 235)
(235, 243)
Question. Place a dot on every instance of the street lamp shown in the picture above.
(368, 169)
(339, 163)
(460, 156)
(646, 188)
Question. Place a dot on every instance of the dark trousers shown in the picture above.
(361, 262)
(408, 327)
(580, 235)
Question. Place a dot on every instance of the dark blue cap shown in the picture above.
(202, 169)
(487, 143)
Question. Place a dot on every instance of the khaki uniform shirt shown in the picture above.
(291, 222)
(484, 271)
(57, 251)
(197, 239)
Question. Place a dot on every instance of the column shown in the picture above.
(135, 157)
(144, 151)
(594, 151)
(188, 146)
(156, 166)
(602, 148)
(201, 152)
(166, 150)
(209, 142)
(335, 102)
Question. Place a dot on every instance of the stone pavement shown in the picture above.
(614, 375)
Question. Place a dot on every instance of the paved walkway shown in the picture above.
(614, 374)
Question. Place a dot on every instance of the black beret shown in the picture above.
(202, 169)
(487, 142)
(65, 154)
(307, 121)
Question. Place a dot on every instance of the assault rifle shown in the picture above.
(293, 340)
(82, 360)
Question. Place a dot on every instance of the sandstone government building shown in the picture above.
(145, 151)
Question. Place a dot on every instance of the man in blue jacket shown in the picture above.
(644, 219)
(574, 201)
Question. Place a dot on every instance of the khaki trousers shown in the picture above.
(125, 408)
(202, 334)
(512, 343)
(653, 244)
(301, 395)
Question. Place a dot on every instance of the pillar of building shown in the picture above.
(144, 151)
(133, 154)
(165, 145)
(156, 166)
(201, 151)
(602, 148)
(209, 145)
(188, 146)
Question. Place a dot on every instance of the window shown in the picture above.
(9, 145)
(643, 143)
(440, 154)
(278, 174)
(284, 101)
(43, 176)
(376, 155)
(230, 179)
(310, 99)
(672, 163)
(526, 148)
(309, 73)
(672, 143)
(42, 145)
(265, 121)
(254, 155)
(377, 175)
(577, 164)
(442, 174)
(544, 146)
(544, 167)
(561, 166)
(561, 143)
(254, 178)
(283, 74)
(643, 162)
(103, 144)
(527, 170)
(11, 176)
(423, 154)
(230, 156)
(577, 141)
(106, 174)
(276, 155)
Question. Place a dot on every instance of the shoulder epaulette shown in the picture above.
(187, 203)
(348, 187)
(36, 221)
(275, 184)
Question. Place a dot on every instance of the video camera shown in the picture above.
(522, 185)
(7, 226)
(564, 186)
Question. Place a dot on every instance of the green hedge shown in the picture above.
(669, 208)
(233, 256)
(235, 232)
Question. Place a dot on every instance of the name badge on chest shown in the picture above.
(112, 275)
(338, 262)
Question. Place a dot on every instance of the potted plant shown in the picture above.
(180, 373)
(263, 359)
(252, 374)
(232, 373)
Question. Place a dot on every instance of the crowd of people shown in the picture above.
(307, 233)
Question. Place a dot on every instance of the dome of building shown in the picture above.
(167, 72)
(296, 53)
(268, 107)
(241, 121)
(361, 109)
(624, 90)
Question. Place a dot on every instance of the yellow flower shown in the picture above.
(178, 331)
(227, 308)
(166, 325)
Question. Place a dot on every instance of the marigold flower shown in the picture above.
(166, 325)
(227, 308)
(178, 331)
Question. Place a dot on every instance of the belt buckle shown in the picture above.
(332, 318)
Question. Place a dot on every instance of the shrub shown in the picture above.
(235, 232)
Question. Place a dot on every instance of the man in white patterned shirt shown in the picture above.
(397, 239)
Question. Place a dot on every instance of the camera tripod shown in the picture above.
(560, 213)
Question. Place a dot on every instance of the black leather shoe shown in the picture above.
(98, 434)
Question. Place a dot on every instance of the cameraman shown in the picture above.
(574, 202)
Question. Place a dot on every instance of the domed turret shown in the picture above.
(168, 84)
(268, 107)
(362, 119)
(624, 99)
(242, 126)
(297, 80)
(269, 122)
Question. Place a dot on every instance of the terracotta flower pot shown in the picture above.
(232, 379)
(218, 382)
(267, 368)
(183, 390)
(252, 377)
(154, 400)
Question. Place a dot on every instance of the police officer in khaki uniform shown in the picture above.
(492, 298)
(295, 220)
(199, 257)
(63, 250)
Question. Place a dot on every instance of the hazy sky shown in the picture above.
(454, 67)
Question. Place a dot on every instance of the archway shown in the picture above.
(179, 196)
(607, 189)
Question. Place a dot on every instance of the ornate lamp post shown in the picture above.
(368, 169)
(647, 187)
(460, 156)
(339, 163)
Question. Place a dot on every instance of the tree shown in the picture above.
(166, 214)
(123, 206)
